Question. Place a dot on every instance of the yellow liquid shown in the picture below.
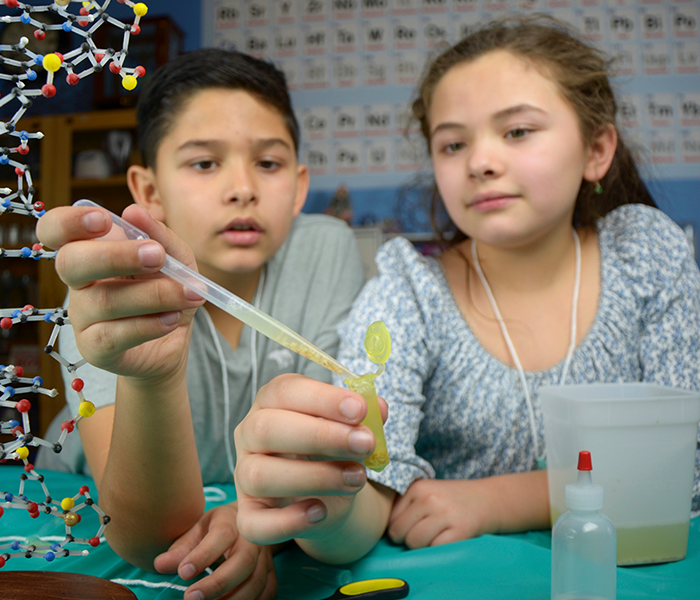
(647, 545)
(365, 385)
(653, 544)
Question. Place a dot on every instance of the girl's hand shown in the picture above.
(439, 511)
(301, 438)
(243, 571)
(128, 318)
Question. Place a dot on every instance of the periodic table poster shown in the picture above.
(353, 66)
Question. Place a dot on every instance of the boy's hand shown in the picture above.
(244, 571)
(128, 318)
(301, 438)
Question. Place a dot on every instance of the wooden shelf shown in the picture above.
(64, 136)
(113, 181)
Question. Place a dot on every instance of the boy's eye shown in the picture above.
(204, 165)
(268, 165)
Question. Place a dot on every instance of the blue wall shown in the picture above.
(187, 14)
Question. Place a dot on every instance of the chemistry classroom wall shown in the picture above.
(353, 64)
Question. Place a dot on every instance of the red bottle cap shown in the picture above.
(584, 461)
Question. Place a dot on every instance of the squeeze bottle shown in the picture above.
(584, 542)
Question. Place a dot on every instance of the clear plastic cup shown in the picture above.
(644, 439)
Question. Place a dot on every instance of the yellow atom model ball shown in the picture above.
(51, 63)
(129, 82)
(140, 9)
(67, 503)
(86, 408)
(22, 452)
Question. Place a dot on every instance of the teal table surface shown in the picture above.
(491, 567)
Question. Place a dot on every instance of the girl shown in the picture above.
(560, 270)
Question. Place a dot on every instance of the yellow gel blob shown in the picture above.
(378, 343)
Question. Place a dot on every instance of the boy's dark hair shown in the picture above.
(582, 73)
(173, 84)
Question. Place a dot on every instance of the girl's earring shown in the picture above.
(598, 189)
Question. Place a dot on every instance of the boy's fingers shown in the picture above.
(263, 476)
(119, 336)
(125, 298)
(168, 561)
(84, 262)
(65, 224)
(173, 245)
(209, 551)
(261, 524)
(235, 572)
(286, 432)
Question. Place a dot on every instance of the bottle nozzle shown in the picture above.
(584, 461)
(584, 495)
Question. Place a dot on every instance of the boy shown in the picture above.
(170, 382)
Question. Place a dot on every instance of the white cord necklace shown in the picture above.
(540, 458)
(224, 372)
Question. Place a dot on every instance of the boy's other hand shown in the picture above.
(243, 570)
(300, 459)
(122, 308)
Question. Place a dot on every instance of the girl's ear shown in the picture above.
(601, 154)
(143, 188)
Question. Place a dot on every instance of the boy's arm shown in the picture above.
(142, 455)
(130, 320)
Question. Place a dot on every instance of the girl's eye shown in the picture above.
(452, 147)
(517, 133)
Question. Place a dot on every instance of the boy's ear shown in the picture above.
(302, 188)
(143, 188)
(601, 154)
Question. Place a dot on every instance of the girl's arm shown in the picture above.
(299, 473)
(364, 525)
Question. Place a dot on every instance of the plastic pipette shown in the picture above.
(265, 324)
(227, 301)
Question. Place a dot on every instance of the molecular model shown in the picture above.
(90, 16)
